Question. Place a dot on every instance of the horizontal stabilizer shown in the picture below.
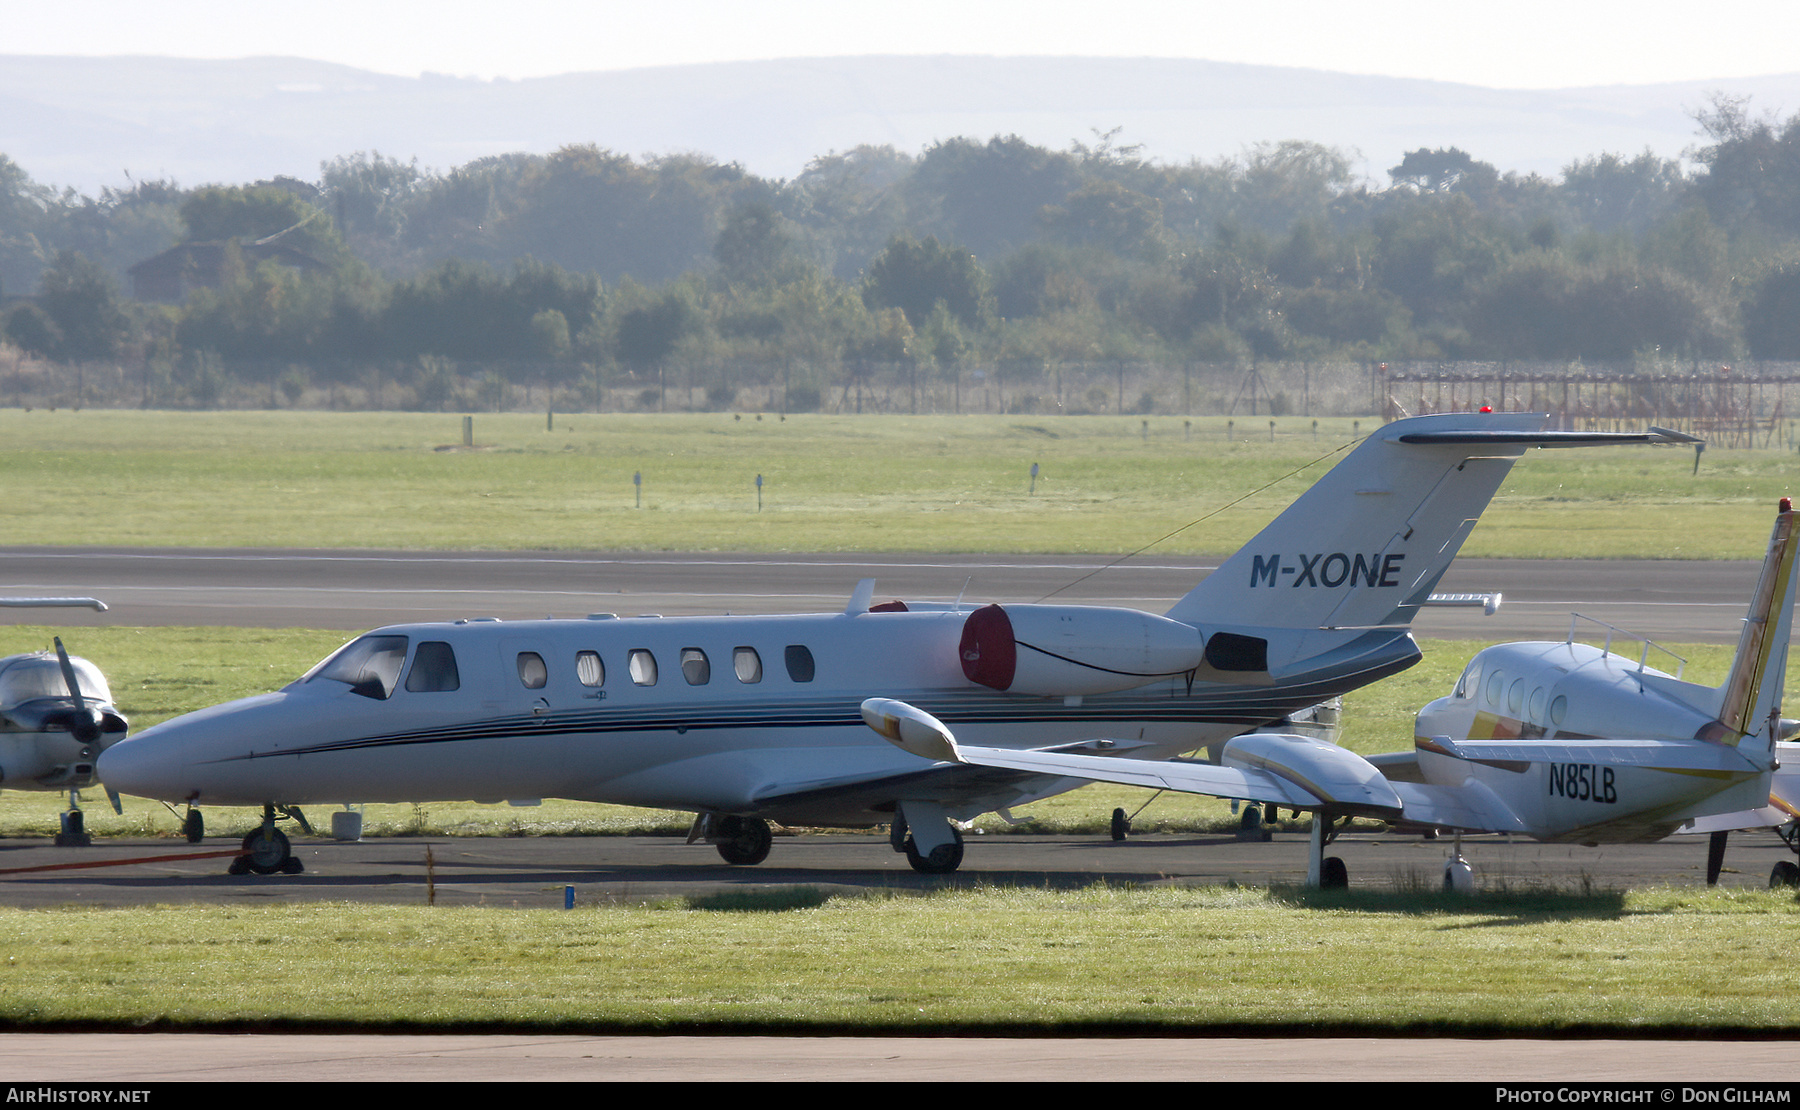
(1767, 817)
(95, 604)
(1480, 436)
(1672, 755)
(1784, 800)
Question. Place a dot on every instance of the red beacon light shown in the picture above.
(1487, 408)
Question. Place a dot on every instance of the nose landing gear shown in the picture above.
(266, 849)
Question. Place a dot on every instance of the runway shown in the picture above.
(1761, 1070)
(1667, 601)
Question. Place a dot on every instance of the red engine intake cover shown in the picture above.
(989, 654)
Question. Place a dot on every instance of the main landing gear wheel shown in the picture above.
(1459, 877)
(72, 831)
(1333, 875)
(266, 852)
(1785, 873)
(1121, 825)
(193, 826)
(744, 840)
(943, 859)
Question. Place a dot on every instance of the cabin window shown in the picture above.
(747, 664)
(589, 671)
(799, 663)
(370, 665)
(1537, 704)
(695, 667)
(433, 669)
(1495, 683)
(642, 666)
(532, 671)
(1559, 708)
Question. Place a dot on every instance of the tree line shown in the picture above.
(583, 269)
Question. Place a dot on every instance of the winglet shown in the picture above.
(911, 729)
(1752, 691)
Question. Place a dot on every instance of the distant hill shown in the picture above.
(86, 122)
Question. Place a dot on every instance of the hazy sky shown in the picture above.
(1516, 44)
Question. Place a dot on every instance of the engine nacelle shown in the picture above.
(1071, 650)
(1341, 779)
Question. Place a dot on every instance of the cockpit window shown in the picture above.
(1469, 682)
(369, 664)
(433, 669)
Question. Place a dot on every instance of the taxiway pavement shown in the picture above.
(539, 872)
(1664, 600)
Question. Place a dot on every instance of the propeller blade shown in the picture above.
(68, 670)
(113, 797)
(86, 727)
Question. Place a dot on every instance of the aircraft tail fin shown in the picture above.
(1751, 705)
(1365, 546)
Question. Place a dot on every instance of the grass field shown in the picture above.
(831, 483)
(990, 961)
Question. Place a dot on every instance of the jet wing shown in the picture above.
(869, 799)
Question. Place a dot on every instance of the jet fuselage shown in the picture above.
(748, 715)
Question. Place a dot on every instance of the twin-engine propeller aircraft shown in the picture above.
(1561, 741)
(56, 717)
(747, 720)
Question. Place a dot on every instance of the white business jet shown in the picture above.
(56, 717)
(1559, 741)
(747, 720)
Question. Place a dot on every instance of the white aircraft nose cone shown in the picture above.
(132, 767)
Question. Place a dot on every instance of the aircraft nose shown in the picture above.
(136, 768)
